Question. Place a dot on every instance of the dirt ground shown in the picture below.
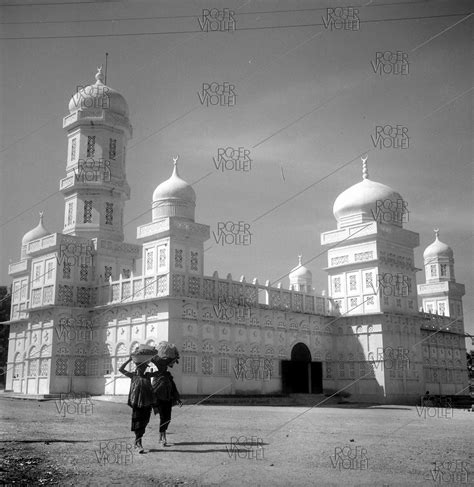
(46, 443)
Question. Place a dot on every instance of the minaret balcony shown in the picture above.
(73, 183)
(97, 116)
(20, 267)
(175, 226)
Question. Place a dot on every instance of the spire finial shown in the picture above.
(99, 76)
(175, 165)
(365, 171)
(436, 231)
(299, 259)
(41, 213)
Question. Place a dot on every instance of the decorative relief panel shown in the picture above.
(162, 286)
(189, 311)
(224, 349)
(207, 364)
(83, 296)
(298, 302)
(254, 335)
(178, 259)
(138, 289)
(178, 285)
(208, 288)
(361, 256)
(208, 332)
(194, 261)
(309, 304)
(150, 284)
(65, 295)
(343, 259)
(48, 296)
(224, 333)
(223, 288)
(194, 286)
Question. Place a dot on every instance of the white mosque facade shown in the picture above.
(80, 306)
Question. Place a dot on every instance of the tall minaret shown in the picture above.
(441, 294)
(96, 187)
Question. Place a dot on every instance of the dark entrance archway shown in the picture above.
(300, 374)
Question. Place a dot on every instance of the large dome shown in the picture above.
(37, 232)
(99, 96)
(364, 198)
(438, 249)
(174, 188)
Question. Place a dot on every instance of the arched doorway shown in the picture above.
(300, 374)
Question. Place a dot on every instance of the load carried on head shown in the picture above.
(143, 354)
(166, 354)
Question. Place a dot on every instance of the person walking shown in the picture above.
(140, 399)
(165, 393)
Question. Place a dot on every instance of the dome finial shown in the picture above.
(99, 76)
(365, 171)
(41, 213)
(299, 259)
(175, 165)
(436, 231)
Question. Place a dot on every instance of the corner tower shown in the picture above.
(370, 255)
(173, 243)
(441, 294)
(95, 187)
(301, 278)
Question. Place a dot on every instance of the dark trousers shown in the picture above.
(140, 418)
(164, 409)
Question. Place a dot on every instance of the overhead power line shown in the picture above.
(239, 29)
(425, 2)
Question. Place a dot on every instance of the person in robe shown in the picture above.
(165, 393)
(140, 398)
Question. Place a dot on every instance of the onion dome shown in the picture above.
(300, 271)
(99, 96)
(37, 232)
(301, 278)
(363, 202)
(174, 197)
(438, 249)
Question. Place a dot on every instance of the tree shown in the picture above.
(470, 364)
(5, 303)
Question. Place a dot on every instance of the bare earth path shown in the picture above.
(236, 446)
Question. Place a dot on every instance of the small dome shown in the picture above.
(37, 232)
(99, 96)
(174, 198)
(174, 188)
(364, 198)
(437, 249)
(300, 272)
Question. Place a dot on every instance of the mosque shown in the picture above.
(80, 306)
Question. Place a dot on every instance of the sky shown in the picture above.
(307, 103)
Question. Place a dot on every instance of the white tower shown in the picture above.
(301, 278)
(173, 244)
(441, 294)
(370, 255)
(96, 187)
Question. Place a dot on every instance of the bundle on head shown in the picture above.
(167, 353)
(143, 354)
